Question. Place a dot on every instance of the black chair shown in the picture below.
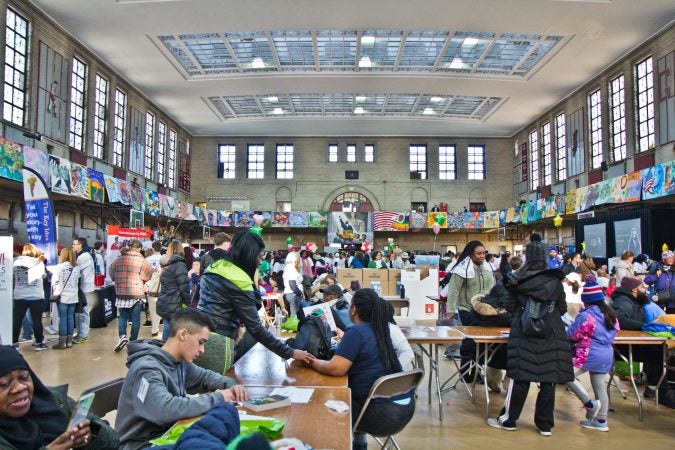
(386, 387)
(106, 397)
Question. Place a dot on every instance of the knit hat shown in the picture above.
(630, 283)
(592, 293)
(666, 255)
(553, 249)
(11, 359)
(535, 250)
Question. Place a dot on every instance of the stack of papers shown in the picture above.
(297, 395)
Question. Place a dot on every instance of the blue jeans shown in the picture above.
(66, 319)
(27, 326)
(124, 314)
(166, 330)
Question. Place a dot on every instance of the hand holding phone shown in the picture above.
(81, 410)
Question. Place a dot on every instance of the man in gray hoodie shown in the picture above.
(155, 392)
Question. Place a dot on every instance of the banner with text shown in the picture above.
(40, 224)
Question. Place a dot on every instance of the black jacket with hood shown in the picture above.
(175, 289)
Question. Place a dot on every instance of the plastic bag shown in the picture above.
(171, 436)
(269, 426)
(291, 324)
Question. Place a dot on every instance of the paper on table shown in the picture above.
(337, 405)
(297, 395)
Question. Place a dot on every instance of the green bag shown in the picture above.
(270, 427)
(291, 324)
(622, 369)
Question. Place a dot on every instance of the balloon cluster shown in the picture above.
(392, 245)
(439, 220)
(258, 220)
(311, 247)
(289, 242)
(365, 246)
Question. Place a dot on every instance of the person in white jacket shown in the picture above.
(29, 294)
(293, 292)
(65, 280)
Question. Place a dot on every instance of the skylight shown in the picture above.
(440, 51)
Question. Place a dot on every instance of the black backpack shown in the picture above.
(537, 317)
(314, 337)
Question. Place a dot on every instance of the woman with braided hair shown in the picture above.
(365, 354)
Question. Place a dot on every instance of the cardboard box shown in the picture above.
(380, 276)
(346, 276)
(394, 280)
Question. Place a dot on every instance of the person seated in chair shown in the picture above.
(365, 354)
(33, 416)
(155, 392)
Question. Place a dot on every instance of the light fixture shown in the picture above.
(367, 41)
(365, 62)
(470, 41)
(428, 111)
(436, 99)
(359, 110)
(273, 99)
(457, 63)
(278, 111)
(258, 63)
(360, 98)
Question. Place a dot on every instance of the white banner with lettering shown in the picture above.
(6, 288)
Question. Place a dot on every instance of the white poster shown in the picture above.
(6, 288)
(326, 315)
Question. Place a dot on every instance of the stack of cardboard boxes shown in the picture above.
(387, 280)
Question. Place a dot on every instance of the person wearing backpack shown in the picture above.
(538, 350)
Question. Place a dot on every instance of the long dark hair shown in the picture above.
(372, 309)
(610, 315)
(246, 247)
(468, 251)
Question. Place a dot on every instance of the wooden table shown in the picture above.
(398, 303)
(636, 337)
(490, 338)
(433, 337)
(261, 367)
(314, 423)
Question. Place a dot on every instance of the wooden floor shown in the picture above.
(463, 427)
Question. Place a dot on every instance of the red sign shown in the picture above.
(184, 172)
(429, 308)
(523, 161)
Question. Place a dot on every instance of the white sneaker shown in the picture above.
(121, 344)
(50, 330)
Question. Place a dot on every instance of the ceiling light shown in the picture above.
(273, 99)
(359, 110)
(470, 41)
(360, 98)
(457, 63)
(367, 41)
(436, 99)
(277, 111)
(365, 62)
(258, 63)
(428, 111)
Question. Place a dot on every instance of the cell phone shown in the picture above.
(81, 410)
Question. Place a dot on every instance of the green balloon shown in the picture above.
(289, 240)
(391, 245)
(440, 219)
(256, 230)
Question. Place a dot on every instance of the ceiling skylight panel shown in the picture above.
(464, 106)
(244, 105)
(272, 104)
(380, 48)
(422, 48)
(399, 104)
(539, 52)
(221, 106)
(505, 55)
(306, 103)
(252, 50)
(372, 103)
(294, 48)
(464, 52)
(181, 55)
(336, 48)
(431, 104)
(338, 103)
(485, 107)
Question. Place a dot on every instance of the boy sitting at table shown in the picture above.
(155, 392)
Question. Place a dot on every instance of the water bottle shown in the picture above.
(402, 291)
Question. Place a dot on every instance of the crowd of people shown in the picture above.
(210, 305)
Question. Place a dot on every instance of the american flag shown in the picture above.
(648, 186)
(384, 220)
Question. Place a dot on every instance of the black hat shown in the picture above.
(332, 289)
(535, 250)
(11, 359)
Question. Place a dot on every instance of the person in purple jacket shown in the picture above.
(593, 330)
(662, 279)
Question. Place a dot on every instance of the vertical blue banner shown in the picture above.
(40, 223)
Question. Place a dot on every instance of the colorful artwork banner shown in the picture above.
(112, 189)
(11, 160)
(96, 185)
(59, 175)
(38, 161)
(441, 218)
(455, 220)
(79, 181)
(491, 219)
(347, 228)
(225, 218)
(40, 223)
(391, 221)
(298, 219)
(473, 220)
(418, 219)
(125, 192)
(658, 181)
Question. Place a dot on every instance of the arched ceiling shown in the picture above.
(358, 68)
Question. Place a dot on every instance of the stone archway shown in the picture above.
(367, 200)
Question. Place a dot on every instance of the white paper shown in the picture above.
(337, 405)
(297, 395)
(327, 314)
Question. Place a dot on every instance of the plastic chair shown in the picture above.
(106, 397)
(386, 387)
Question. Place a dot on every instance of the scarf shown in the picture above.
(465, 268)
(44, 422)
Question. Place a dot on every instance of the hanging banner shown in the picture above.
(79, 181)
(11, 160)
(40, 225)
(6, 288)
(125, 192)
(491, 219)
(38, 161)
(112, 189)
(136, 196)
(658, 181)
(456, 220)
(391, 221)
(96, 185)
(349, 228)
(298, 219)
(59, 174)
(418, 219)
(225, 218)
(317, 219)
(279, 219)
(441, 218)
(151, 202)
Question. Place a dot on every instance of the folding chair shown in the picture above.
(386, 387)
(106, 397)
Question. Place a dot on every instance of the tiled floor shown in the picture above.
(463, 427)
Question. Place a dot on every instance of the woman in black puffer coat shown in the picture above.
(174, 291)
(544, 360)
